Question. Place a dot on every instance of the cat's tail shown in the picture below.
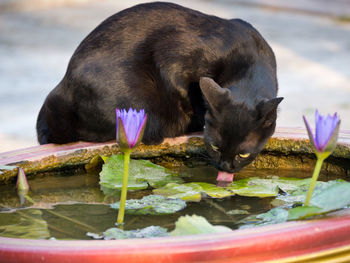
(41, 127)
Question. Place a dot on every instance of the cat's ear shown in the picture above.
(267, 110)
(213, 93)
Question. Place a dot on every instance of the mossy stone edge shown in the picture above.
(286, 153)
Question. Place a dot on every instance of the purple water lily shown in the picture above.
(324, 143)
(326, 132)
(130, 127)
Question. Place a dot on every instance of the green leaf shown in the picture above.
(117, 233)
(254, 186)
(274, 216)
(332, 196)
(295, 190)
(185, 192)
(192, 191)
(152, 205)
(289, 185)
(193, 225)
(327, 197)
(111, 176)
(215, 191)
(142, 173)
(300, 212)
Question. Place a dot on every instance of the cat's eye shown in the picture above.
(244, 155)
(215, 148)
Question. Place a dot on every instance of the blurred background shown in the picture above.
(311, 40)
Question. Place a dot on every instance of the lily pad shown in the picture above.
(290, 185)
(332, 196)
(185, 225)
(141, 174)
(193, 225)
(254, 186)
(298, 195)
(117, 233)
(273, 216)
(327, 197)
(152, 205)
(192, 191)
(301, 212)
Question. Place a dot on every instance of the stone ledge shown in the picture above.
(288, 149)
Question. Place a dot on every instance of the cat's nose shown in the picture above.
(226, 166)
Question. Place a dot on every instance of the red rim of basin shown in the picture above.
(312, 240)
(286, 242)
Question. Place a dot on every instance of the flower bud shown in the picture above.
(130, 127)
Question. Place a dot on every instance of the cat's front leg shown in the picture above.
(153, 134)
(155, 140)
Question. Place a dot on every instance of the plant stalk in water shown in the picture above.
(313, 182)
(121, 211)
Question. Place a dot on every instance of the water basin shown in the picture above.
(287, 154)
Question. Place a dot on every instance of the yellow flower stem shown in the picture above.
(315, 175)
(124, 187)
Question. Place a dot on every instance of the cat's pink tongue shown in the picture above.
(224, 178)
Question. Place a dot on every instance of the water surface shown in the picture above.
(70, 204)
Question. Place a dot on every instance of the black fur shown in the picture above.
(161, 57)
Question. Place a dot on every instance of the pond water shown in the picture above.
(70, 204)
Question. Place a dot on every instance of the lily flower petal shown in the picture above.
(311, 135)
(130, 127)
(326, 133)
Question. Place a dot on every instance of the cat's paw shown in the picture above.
(152, 140)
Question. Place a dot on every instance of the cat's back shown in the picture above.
(163, 31)
(155, 20)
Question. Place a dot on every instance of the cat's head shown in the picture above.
(234, 132)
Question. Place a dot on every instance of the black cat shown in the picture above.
(163, 57)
